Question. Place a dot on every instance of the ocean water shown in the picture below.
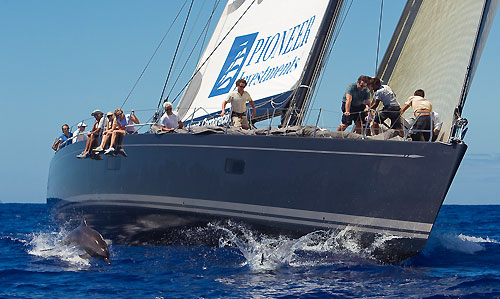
(461, 260)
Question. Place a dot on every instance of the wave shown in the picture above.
(319, 248)
(49, 246)
(478, 239)
(454, 242)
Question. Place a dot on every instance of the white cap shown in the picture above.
(81, 124)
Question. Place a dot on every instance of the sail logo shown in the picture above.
(260, 59)
(233, 64)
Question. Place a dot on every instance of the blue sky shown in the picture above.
(59, 60)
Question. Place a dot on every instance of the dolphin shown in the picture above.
(88, 240)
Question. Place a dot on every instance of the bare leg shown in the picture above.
(375, 128)
(341, 127)
(113, 139)
(104, 140)
(358, 127)
(89, 142)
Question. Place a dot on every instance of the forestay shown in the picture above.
(268, 47)
(436, 47)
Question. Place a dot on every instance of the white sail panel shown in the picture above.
(268, 47)
(435, 55)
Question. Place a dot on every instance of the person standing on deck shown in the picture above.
(391, 110)
(354, 104)
(170, 121)
(238, 100)
(422, 109)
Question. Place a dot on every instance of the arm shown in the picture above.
(348, 100)
(405, 107)
(223, 108)
(133, 117)
(375, 104)
(253, 108)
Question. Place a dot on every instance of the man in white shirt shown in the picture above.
(170, 121)
(79, 134)
(238, 100)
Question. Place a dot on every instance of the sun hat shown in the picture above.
(95, 112)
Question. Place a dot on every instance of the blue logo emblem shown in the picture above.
(233, 64)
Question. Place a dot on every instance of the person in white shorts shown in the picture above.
(238, 100)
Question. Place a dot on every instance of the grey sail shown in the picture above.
(432, 49)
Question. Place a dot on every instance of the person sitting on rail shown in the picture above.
(106, 135)
(93, 136)
(391, 109)
(79, 134)
(64, 139)
(131, 120)
(354, 104)
(119, 127)
(238, 100)
(170, 121)
(422, 109)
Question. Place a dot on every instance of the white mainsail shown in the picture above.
(268, 47)
(432, 49)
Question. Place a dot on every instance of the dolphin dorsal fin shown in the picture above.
(84, 221)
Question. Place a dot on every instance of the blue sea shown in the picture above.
(461, 260)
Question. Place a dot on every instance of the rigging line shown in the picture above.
(205, 29)
(175, 54)
(194, 26)
(154, 54)
(216, 4)
(327, 57)
(379, 30)
(213, 51)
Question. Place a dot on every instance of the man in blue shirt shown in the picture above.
(65, 138)
(354, 104)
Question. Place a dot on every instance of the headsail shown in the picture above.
(435, 47)
(268, 46)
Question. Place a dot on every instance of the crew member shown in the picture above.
(238, 100)
(391, 110)
(422, 109)
(170, 120)
(354, 104)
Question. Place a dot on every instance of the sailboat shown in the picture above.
(293, 180)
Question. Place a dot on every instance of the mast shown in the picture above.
(294, 114)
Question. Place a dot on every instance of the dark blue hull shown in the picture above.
(278, 185)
